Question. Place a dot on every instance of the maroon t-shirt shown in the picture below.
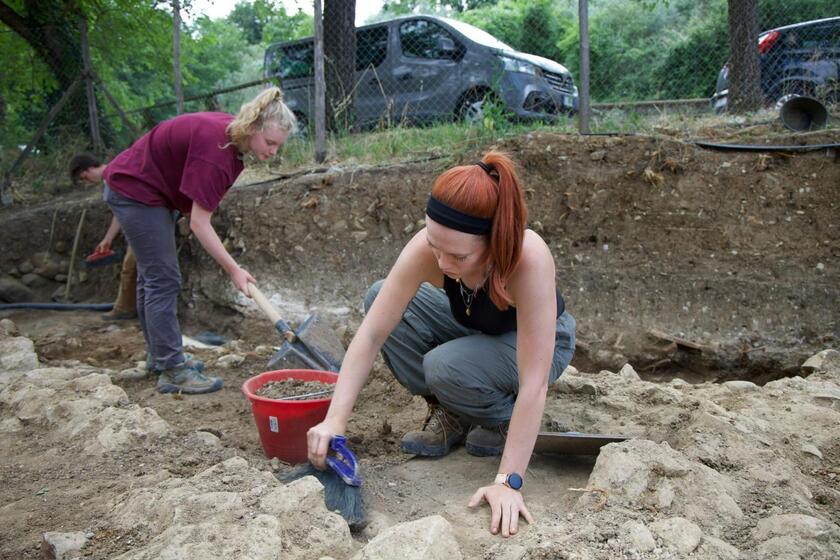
(177, 162)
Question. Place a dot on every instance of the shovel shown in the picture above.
(573, 443)
(313, 346)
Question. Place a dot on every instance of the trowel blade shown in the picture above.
(573, 443)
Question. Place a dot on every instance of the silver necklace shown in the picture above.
(467, 296)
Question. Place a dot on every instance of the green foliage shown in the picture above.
(267, 21)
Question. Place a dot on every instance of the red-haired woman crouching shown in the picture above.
(470, 318)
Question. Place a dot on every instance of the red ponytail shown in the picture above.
(496, 196)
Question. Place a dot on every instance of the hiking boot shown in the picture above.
(186, 379)
(198, 365)
(486, 442)
(441, 432)
(116, 315)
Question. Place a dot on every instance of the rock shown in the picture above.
(62, 546)
(811, 450)
(795, 525)
(641, 473)
(60, 277)
(8, 328)
(16, 355)
(429, 538)
(208, 439)
(14, 272)
(827, 360)
(740, 386)
(131, 374)
(627, 372)
(26, 267)
(679, 533)
(359, 236)
(598, 155)
(637, 536)
(571, 384)
(33, 280)
(229, 361)
(717, 549)
(60, 247)
(14, 291)
(608, 359)
(232, 510)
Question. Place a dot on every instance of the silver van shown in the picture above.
(418, 69)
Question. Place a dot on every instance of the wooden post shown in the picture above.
(73, 255)
(584, 106)
(320, 90)
(96, 138)
(176, 54)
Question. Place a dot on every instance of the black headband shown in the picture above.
(487, 168)
(457, 220)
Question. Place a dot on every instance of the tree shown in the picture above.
(744, 72)
(339, 61)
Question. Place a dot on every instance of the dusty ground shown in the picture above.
(706, 266)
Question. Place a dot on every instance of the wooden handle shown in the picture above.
(264, 304)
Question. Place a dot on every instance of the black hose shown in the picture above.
(765, 147)
(59, 306)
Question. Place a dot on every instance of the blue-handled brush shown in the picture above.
(342, 481)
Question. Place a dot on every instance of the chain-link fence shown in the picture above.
(511, 61)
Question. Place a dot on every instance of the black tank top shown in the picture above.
(484, 315)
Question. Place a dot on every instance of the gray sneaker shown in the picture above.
(486, 442)
(441, 431)
(195, 364)
(187, 379)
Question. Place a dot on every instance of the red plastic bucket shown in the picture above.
(283, 424)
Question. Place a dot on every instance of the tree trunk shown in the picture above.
(744, 73)
(339, 61)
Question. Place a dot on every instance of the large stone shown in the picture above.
(8, 328)
(62, 546)
(17, 355)
(429, 538)
(795, 525)
(232, 511)
(637, 536)
(15, 291)
(678, 533)
(641, 473)
(827, 360)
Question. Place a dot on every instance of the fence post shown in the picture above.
(91, 96)
(583, 92)
(176, 54)
(320, 89)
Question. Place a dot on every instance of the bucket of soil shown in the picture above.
(286, 403)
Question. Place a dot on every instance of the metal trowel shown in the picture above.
(573, 443)
(313, 346)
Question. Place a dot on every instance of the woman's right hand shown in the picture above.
(318, 442)
(104, 246)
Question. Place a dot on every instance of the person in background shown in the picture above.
(186, 164)
(469, 317)
(88, 168)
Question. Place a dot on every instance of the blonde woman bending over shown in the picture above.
(185, 165)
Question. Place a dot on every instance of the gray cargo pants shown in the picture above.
(150, 231)
(473, 375)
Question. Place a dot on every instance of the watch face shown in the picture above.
(514, 481)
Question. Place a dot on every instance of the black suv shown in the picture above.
(798, 59)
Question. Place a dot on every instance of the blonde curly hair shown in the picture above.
(266, 110)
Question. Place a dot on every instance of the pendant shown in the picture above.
(468, 311)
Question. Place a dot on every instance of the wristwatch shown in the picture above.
(511, 480)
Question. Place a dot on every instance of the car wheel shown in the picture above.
(473, 107)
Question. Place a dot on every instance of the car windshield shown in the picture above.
(479, 36)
